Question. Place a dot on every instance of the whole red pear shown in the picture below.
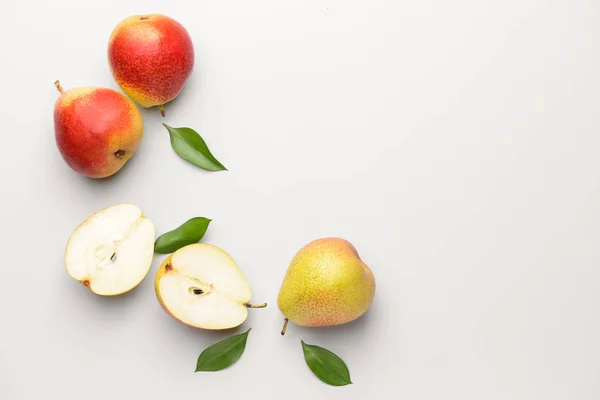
(97, 129)
(150, 57)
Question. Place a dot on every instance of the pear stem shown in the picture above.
(58, 87)
(162, 110)
(263, 305)
(285, 324)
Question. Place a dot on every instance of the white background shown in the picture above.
(454, 143)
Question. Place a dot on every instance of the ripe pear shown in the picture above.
(151, 57)
(97, 130)
(326, 284)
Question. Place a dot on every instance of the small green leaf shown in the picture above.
(327, 366)
(222, 354)
(191, 147)
(189, 232)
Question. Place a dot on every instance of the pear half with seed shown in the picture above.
(111, 251)
(202, 286)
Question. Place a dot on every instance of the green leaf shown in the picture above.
(191, 147)
(222, 354)
(189, 232)
(327, 366)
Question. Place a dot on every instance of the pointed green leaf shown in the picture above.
(191, 147)
(222, 354)
(327, 366)
(189, 232)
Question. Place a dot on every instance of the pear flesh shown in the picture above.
(111, 251)
(326, 284)
(202, 286)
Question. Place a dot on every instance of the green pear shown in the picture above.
(326, 284)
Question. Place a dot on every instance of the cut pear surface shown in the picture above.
(202, 286)
(111, 251)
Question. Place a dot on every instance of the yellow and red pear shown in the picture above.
(326, 284)
(97, 129)
(151, 57)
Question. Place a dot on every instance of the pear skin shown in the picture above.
(326, 284)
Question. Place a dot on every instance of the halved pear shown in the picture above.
(202, 286)
(111, 251)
